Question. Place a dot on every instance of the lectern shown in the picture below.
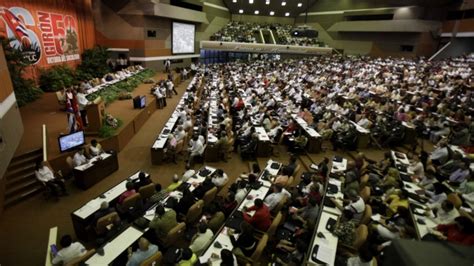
(95, 115)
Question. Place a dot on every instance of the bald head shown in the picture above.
(143, 244)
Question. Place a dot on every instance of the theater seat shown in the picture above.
(175, 234)
(155, 259)
(147, 191)
(79, 261)
(194, 213)
(254, 259)
(209, 196)
(366, 215)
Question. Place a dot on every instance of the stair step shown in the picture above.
(28, 160)
(19, 188)
(19, 197)
(28, 154)
(25, 169)
(20, 178)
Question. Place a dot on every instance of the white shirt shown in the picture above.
(220, 181)
(201, 241)
(188, 174)
(273, 199)
(79, 159)
(240, 195)
(357, 208)
(65, 255)
(44, 174)
(95, 150)
(82, 100)
(197, 148)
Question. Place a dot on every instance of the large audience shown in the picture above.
(334, 95)
(248, 32)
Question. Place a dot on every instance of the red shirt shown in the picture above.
(261, 219)
(452, 232)
(125, 195)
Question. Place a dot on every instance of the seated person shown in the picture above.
(214, 217)
(229, 204)
(188, 258)
(444, 212)
(460, 232)
(299, 143)
(354, 203)
(69, 251)
(226, 256)
(290, 168)
(163, 221)
(185, 202)
(396, 200)
(201, 240)
(79, 158)
(44, 174)
(95, 148)
(308, 215)
(142, 180)
(103, 211)
(277, 195)
(202, 188)
(175, 184)
(345, 228)
(261, 219)
(291, 253)
(196, 150)
(246, 243)
(144, 251)
(241, 191)
(220, 178)
(129, 192)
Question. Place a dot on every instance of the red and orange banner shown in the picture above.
(44, 34)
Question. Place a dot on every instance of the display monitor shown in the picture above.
(71, 141)
(183, 38)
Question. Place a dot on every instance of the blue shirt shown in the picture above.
(139, 256)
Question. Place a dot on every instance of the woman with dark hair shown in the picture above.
(228, 258)
(245, 244)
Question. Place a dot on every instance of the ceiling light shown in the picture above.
(234, 1)
(287, 14)
(241, 11)
(267, 2)
(272, 13)
(283, 3)
(256, 12)
(250, 1)
(300, 4)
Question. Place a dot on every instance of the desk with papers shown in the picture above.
(82, 217)
(96, 169)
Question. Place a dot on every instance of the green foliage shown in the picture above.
(94, 62)
(25, 89)
(112, 92)
(107, 131)
(57, 78)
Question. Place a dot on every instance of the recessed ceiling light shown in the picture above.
(287, 14)
(241, 11)
(283, 3)
(267, 2)
(300, 4)
(272, 13)
(234, 1)
(250, 1)
(256, 12)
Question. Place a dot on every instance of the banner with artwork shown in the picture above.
(44, 34)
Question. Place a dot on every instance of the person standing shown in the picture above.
(83, 102)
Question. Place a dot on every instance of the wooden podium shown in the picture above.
(95, 115)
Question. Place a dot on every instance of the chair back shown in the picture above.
(103, 222)
(209, 196)
(194, 213)
(290, 182)
(130, 201)
(180, 146)
(154, 260)
(297, 169)
(175, 234)
(455, 200)
(70, 162)
(79, 260)
(216, 222)
(147, 191)
(275, 223)
(262, 243)
(361, 234)
(366, 215)
(365, 194)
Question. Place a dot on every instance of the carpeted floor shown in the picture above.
(25, 227)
